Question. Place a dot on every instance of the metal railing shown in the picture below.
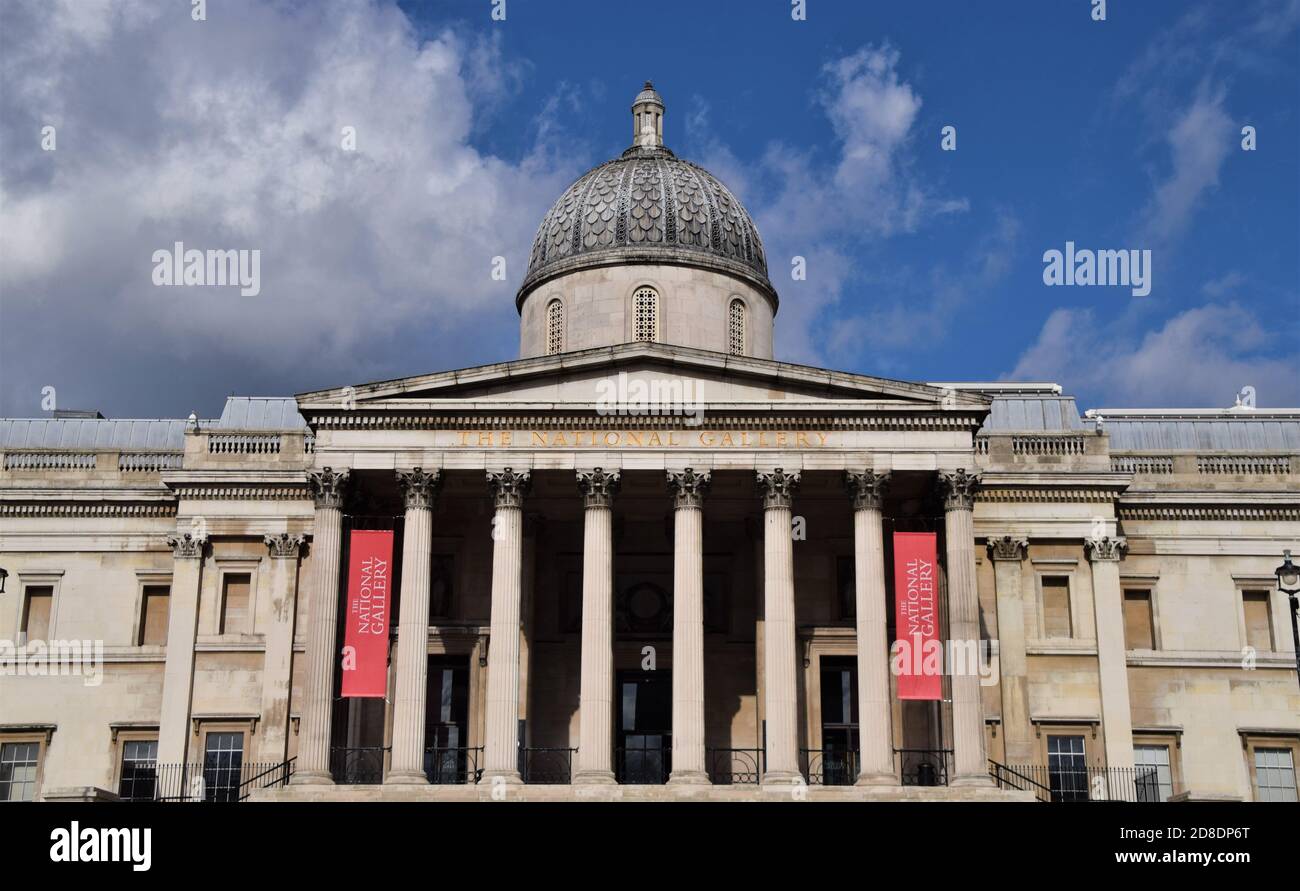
(734, 767)
(448, 765)
(829, 767)
(358, 765)
(546, 765)
(272, 778)
(209, 781)
(1070, 783)
(923, 767)
(648, 765)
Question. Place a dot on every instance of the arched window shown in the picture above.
(645, 314)
(554, 327)
(736, 327)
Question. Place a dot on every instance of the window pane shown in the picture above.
(36, 613)
(153, 625)
(1259, 626)
(18, 771)
(139, 770)
(1137, 620)
(234, 603)
(1067, 769)
(223, 758)
(1056, 606)
(1155, 779)
(1275, 774)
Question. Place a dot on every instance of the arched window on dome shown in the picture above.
(645, 315)
(554, 327)
(736, 327)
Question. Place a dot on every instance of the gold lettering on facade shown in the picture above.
(642, 439)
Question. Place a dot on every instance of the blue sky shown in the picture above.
(922, 264)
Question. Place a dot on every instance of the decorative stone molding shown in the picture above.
(867, 488)
(85, 509)
(689, 487)
(1272, 513)
(329, 487)
(1008, 548)
(778, 487)
(222, 492)
(397, 420)
(419, 487)
(598, 486)
(509, 486)
(284, 545)
(1105, 549)
(187, 546)
(1046, 494)
(959, 489)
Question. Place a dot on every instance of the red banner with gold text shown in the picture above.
(917, 657)
(365, 638)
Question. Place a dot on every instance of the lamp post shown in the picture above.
(4, 574)
(1288, 582)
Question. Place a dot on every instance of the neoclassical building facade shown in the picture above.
(647, 560)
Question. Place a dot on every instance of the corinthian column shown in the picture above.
(182, 629)
(596, 693)
(964, 629)
(688, 488)
(1007, 554)
(876, 739)
(782, 762)
(419, 489)
(328, 489)
(1112, 661)
(501, 755)
(277, 665)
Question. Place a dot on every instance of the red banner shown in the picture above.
(917, 657)
(365, 640)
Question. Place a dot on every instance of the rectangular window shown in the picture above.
(139, 770)
(38, 602)
(1138, 633)
(1056, 606)
(223, 760)
(18, 762)
(235, 618)
(1155, 778)
(1259, 624)
(1067, 768)
(1275, 774)
(154, 610)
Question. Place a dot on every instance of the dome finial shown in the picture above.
(648, 118)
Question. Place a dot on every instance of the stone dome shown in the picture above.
(647, 206)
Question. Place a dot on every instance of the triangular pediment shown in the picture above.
(590, 377)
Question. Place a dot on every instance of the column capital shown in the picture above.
(598, 486)
(509, 486)
(187, 546)
(867, 488)
(689, 486)
(959, 489)
(419, 486)
(1007, 547)
(328, 486)
(1105, 549)
(777, 487)
(284, 545)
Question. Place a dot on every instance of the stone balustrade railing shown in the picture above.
(244, 443)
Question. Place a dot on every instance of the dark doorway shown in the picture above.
(839, 755)
(446, 721)
(645, 721)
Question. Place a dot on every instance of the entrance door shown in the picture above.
(839, 755)
(645, 721)
(446, 721)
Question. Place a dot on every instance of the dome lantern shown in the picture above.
(648, 118)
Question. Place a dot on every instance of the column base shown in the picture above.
(311, 778)
(689, 778)
(972, 779)
(406, 778)
(594, 778)
(509, 777)
(877, 779)
(783, 779)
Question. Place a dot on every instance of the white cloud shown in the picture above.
(1199, 358)
(1199, 142)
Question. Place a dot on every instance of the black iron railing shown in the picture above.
(734, 767)
(358, 765)
(1011, 778)
(923, 767)
(829, 766)
(644, 765)
(546, 765)
(215, 780)
(453, 765)
(1069, 782)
